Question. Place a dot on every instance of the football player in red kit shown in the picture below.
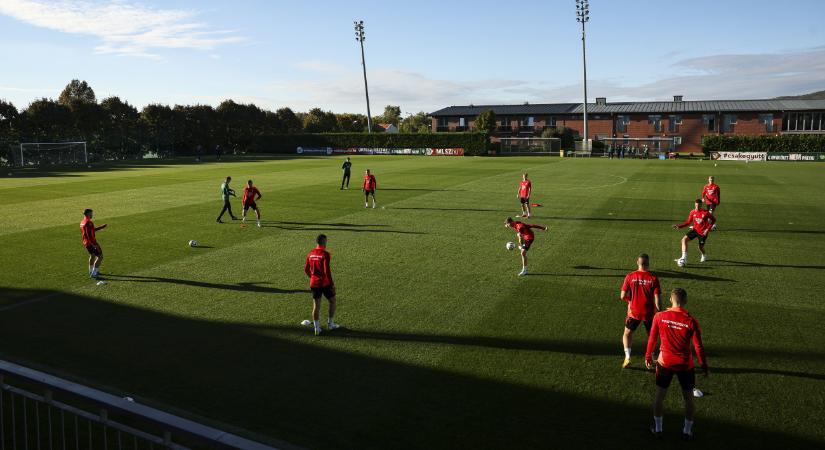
(525, 238)
(525, 188)
(712, 196)
(369, 187)
(251, 195)
(676, 329)
(87, 232)
(641, 292)
(701, 221)
(321, 284)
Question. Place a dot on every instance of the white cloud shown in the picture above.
(702, 78)
(124, 28)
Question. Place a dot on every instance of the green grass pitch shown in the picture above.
(445, 347)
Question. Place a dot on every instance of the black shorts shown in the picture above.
(631, 324)
(692, 234)
(94, 250)
(713, 206)
(524, 200)
(687, 378)
(372, 192)
(327, 291)
(525, 245)
(252, 205)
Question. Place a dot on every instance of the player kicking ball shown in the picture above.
(87, 231)
(251, 195)
(676, 328)
(369, 187)
(702, 221)
(641, 291)
(525, 239)
(712, 196)
(524, 190)
(321, 284)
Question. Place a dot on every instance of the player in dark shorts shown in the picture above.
(641, 291)
(676, 329)
(525, 188)
(251, 195)
(525, 238)
(346, 167)
(701, 222)
(87, 232)
(320, 283)
(369, 187)
(226, 192)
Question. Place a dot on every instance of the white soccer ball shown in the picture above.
(697, 393)
(510, 246)
(193, 243)
(680, 263)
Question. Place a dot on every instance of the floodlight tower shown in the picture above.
(583, 16)
(359, 36)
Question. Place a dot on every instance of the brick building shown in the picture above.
(684, 121)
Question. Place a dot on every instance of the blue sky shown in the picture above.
(421, 55)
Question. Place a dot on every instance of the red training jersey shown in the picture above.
(369, 182)
(524, 188)
(87, 231)
(702, 221)
(676, 328)
(525, 230)
(317, 268)
(249, 194)
(712, 194)
(642, 286)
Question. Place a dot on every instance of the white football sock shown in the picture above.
(657, 423)
(330, 321)
(627, 353)
(688, 429)
(684, 255)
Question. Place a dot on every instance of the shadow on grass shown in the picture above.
(756, 264)
(682, 275)
(323, 224)
(351, 230)
(789, 231)
(241, 287)
(422, 190)
(454, 209)
(276, 382)
(606, 219)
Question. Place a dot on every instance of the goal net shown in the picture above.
(53, 153)
(530, 146)
(633, 147)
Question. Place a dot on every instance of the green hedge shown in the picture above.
(785, 143)
(472, 143)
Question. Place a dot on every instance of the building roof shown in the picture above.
(637, 107)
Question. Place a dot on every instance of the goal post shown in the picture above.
(526, 146)
(634, 147)
(53, 153)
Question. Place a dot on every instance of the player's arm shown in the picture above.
(624, 293)
(306, 268)
(700, 349)
(232, 192)
(258, 193)
(327, 269)
(100, 227)
(651, 342)
(683, 224)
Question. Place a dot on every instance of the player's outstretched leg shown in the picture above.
(681, 261)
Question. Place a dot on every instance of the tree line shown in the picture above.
(115, 129)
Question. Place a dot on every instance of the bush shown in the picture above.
(785, 143)
(472, 143)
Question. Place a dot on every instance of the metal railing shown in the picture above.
(40, 411)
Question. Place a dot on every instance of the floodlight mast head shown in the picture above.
(359, 30)
(582, 10)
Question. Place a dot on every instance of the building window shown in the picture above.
(677, 140)
(655, 123)
(767, 120)
(728, 122)
(710, 122)
(528, 121)
(504, 123)
(817, 122)
(550, 122)
(621, 124)
(673, 123)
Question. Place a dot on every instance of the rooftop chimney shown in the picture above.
(601, 101)
(677, 98)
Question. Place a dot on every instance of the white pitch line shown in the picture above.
(29, 302)
(624, 180)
